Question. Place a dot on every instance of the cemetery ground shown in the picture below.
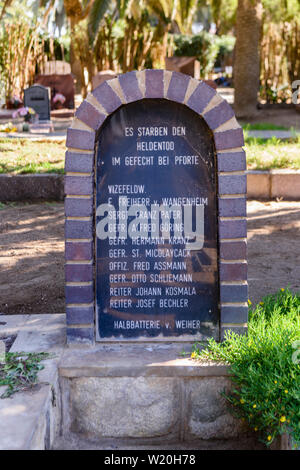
(32, 276)
(24, 153)
(32, 247)
(24, 156)
(32, 282)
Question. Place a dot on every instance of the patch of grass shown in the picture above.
(263, 126)
(6, 205)
(267, 154)
(265, 367)
(19, 371)
(23, 156)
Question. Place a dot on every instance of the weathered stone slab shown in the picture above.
(207, 414)
(124, 406)
(134, 360)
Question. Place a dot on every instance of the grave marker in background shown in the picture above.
(188, 65)
(63, 84)
(102, 77)
(38, 98)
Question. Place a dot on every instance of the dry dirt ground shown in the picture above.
(32, 254)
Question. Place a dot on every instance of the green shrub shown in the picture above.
(265, 367)
(203, 46)
(225, 44)
(209, 49)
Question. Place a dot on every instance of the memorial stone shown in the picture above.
(156, 255)
(155, 213)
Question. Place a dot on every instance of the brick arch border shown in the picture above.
(80, 187)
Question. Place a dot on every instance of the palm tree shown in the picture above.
(166, 15)
(247, 57)
(76, 11)
(3, 7)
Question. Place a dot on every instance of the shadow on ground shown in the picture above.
(32, 254)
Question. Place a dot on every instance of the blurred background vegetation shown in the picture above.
(260, 38)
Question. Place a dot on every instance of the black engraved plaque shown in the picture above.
(156, 225)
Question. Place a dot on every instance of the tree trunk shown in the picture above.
(247, 57)
(76, 68)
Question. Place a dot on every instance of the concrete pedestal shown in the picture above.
(144, 393)
(110, 396)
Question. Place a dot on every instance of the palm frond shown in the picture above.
(123, 6)
(99, 8)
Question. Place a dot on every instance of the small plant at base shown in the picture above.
(19, 371)
(266, 380)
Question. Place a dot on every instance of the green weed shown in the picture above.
(19, 371)
(265, 367)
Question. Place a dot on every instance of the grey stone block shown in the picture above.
(233, 250)
(154, 83)
(232, 184)
(79, 162)
(78, 229)
(107, 97)
(79, 139)
(177, 87)
(80, 315)
(125, 407)
(208, 416)
(90, 115)
(200, 98)
(80, 335)
(232, 314)
(238, 329)
(76, 207)
(79, 272)
(218, 115)
(79, 294)
(233, 228)
(234, 293)
(79, 185)
(232, 207)
(78, 251)
(130, 87)
(229, 139)
(232, 161)
(233, 271)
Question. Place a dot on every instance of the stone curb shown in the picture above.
(274, 183)
(268, 184)
(134, 360)
(30, 420)
(36, 187)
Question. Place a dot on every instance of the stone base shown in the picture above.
(144, 394)
(42, 127)
(113, 397)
